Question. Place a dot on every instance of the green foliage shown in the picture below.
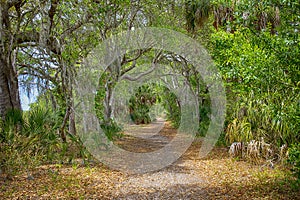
(204, 111)
(259, 63)
(172, 106)
(140, 104)
(100, 96)
(12, 124)
(294, 159)
(255, 117)
(23, 141)
(71, 150)
(111, 130)
(222, 140)
(31, 138)
(263, 96)
(197, 13)
(109, 126)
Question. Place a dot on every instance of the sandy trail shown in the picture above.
(167, 181)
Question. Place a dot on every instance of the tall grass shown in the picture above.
(275, 119)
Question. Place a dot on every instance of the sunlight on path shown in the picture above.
(215, 177)
(152, 137)
(162, 180)
(145, 131)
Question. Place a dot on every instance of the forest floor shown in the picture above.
(216, 177)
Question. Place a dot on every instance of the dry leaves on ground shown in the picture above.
(216, 177)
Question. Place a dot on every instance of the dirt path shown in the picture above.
(146, 138)
(215, 177)
(161, 184)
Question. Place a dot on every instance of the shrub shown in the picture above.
(294, 159)
(140, 104)
(18, 151)
(111, 129)
(27, 139)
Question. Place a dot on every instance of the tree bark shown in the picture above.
(72, 124)
(9, 88)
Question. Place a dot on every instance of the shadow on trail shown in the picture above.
(147, 137)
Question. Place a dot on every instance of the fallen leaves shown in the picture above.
(215, 177)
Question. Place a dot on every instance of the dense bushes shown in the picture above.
(172, 106)
(26, 139)
(30, 138)
(140, 104)
(263, 96)
(294, 159)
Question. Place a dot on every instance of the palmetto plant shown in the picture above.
(140, 104)
(196, 13)
(27, 139)
(265, 14)
(42, 124)
(294, 159)
(259, 15)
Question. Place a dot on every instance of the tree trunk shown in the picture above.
(72, 124)
(9, 88)
(108, 103)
